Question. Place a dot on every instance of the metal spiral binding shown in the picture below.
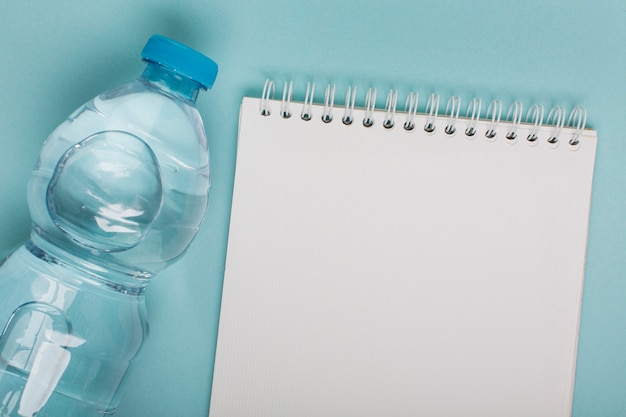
(285, 112)
(390, 108)
(534, 121)
(349, 108)
(495, 110)
(514, 115)
(307, 107)
(453, 109)
(266, 96)
(370, 104)
(410, 107)
(536, 110)
(432, 110)
(475, 107)
(579, 117)
(329, 102)
(556, 117)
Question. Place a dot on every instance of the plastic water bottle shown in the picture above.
(117, 194)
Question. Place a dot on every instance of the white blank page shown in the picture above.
(375, 272)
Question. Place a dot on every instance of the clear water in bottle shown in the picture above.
(117, 194)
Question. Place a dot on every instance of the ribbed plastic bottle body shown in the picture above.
(117, 194)
(122, 183)
(68, 342)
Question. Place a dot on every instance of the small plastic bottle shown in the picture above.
(117, 194)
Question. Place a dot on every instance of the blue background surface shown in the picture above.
(57, 55)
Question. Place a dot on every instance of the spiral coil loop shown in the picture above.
(533, 124)
(453, 108)
(349, 108)
(390, 108)
(410, 107)
(514, 115)
(475, 106)
(307, 107)
(285, 112)
(268, 94)
(329, 102)
(536, 112)
(579, 118)
(495, 111)
(432, 111)
(370, 104)
(556, 117)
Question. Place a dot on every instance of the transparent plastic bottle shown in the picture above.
(117, 194)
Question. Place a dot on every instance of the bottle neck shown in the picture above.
(168, 80)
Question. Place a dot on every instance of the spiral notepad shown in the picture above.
(418, 261)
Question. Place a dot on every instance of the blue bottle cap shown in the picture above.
(181, 59)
